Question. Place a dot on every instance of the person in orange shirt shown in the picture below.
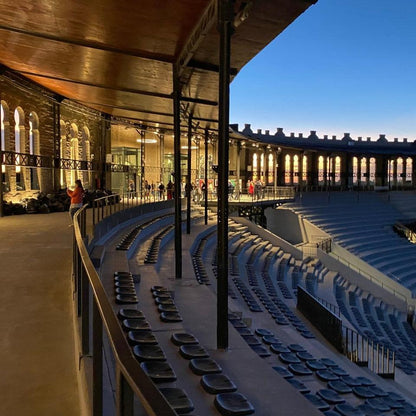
(76, 197)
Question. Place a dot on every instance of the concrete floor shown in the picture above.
(37, 348)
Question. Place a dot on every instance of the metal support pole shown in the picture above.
(206, 177)
(125, 397)
(97, 350)
(225, 19)
(177, 169)
(188, 178)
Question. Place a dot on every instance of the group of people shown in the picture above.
(255, 189)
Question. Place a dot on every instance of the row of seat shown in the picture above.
(377, 324)
(128, 239)
(152, 253)
(340, 389)
(227, 400)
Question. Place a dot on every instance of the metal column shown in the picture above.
(225, 19)
(177, 168)
(142, 161)
(206, 177)
(188, 177)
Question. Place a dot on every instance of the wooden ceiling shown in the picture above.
(118, 56)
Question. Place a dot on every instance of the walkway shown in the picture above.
(37, 349)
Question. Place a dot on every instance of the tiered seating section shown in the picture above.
(363, 224)
(264, 281)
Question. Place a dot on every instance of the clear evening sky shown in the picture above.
(342, 66)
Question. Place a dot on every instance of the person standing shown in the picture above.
(76, 196)
(161, 191)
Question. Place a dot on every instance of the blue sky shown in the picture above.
(342, 66)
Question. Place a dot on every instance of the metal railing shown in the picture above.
(365, 352)
(131, 380)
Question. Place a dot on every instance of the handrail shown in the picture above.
(128, 367)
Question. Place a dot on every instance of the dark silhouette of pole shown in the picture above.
(206, 177)
(225, 19)
(188, 179)
(177, 178)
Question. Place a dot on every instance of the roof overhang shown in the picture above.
(118, 57)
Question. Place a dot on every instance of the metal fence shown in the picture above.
(96, 313)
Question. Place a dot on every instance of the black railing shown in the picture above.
(131, 380)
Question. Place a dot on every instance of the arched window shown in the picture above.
(270, 168)
(354, 170)
(86, 155)
(304, 168)
(5, 142)
(295, 169)
(287, 169)
(409, 169)
(34, 149)
(74, 150)
(372, 170)
(262, 167)
(321, 169)
(400, 170)
(255, 166)
(19, 146)
(363, 177)
(337, 170)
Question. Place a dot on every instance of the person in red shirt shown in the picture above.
(76, 197)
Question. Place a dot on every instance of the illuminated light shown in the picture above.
(192, 147)
(149, 141)
(3, 168)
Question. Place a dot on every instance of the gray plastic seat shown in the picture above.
(126, 299)
(296, 348)
(178, 399)
(142, 337)
(190, 351)
(263, 332)
(130, 313)
(217, 383)
(326, 375)
(351, 381)
(164, 301)
(363, 392)
(299, 369)
(378, 404)
(330, 396)
(270, 339)
(279, 349)
(133, 324)
(339, 386)
(125, 290)
(167, 308)
(320, 404)
(233, 404)
(305, 356)
(158, 371)
(170, 317)
(283, 371)
(315, 365)
(183, 338)
(365, 381)
(289, 358)
(368, 410)
(149, 353)
(328, 362)
(346, 409)
(201, 366)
